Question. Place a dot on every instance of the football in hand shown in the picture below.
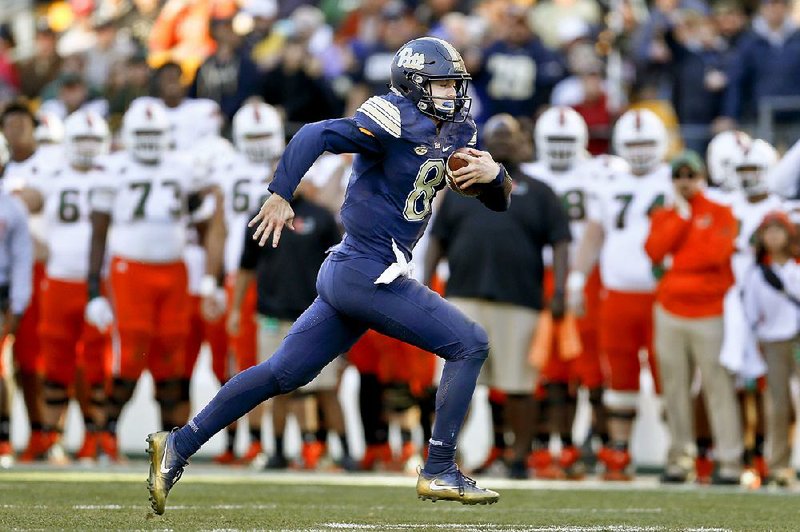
(455, 163)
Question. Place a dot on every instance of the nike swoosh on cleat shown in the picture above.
(164, 469)
(436, 487)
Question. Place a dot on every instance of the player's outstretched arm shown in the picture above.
(271, 219)
(339, 135)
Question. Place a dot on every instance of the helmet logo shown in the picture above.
(406, 58)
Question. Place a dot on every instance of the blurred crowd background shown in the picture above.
(704, 66)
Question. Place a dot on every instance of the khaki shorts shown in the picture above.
(510, 329)
(271, 332)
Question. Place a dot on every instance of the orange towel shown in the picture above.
(565, 331)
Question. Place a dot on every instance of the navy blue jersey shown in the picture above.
(399, 168)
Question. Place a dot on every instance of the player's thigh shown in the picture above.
(555, 370)
(620, 341)
(587, 369)
(60, 358)
(129, 353)
(166, 357)
(93, 347)
(26, 348)
(409, 311)
(512, 329)
(318, 336)
(403, 309)
(134, 296)
(174, 307)
(61, 309)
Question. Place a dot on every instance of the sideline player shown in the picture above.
(561, 138)
(63, 198)
(148, 194)
(619, 221)
(15, 290)
(402, 140)
(27, 163)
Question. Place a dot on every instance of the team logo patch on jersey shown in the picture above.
(407, 58)
(421, 150)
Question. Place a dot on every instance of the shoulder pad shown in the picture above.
(383, 113)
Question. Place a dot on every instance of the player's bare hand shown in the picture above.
(232, 325)
(481, 168)
(273, 216)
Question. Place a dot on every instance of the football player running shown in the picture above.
(619, 222)
(402, 141)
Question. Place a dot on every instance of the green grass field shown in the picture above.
(216, 499)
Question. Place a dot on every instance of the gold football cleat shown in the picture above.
(453, 485)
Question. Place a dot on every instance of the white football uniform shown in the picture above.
(66, 210)
(148, 205)
(602, 168)
(244, 188)
(33, 171)
(572, 188)
(749, 216)
(623, 206)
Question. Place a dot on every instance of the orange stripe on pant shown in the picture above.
(66, 339)
(626, 326)
(151, 305)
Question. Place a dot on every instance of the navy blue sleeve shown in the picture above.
(496, 195)
(340, 135)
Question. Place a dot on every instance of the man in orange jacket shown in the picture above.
(692, 242)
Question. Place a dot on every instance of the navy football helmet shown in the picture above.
(423, 60)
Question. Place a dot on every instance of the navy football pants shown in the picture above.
(348, 304)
